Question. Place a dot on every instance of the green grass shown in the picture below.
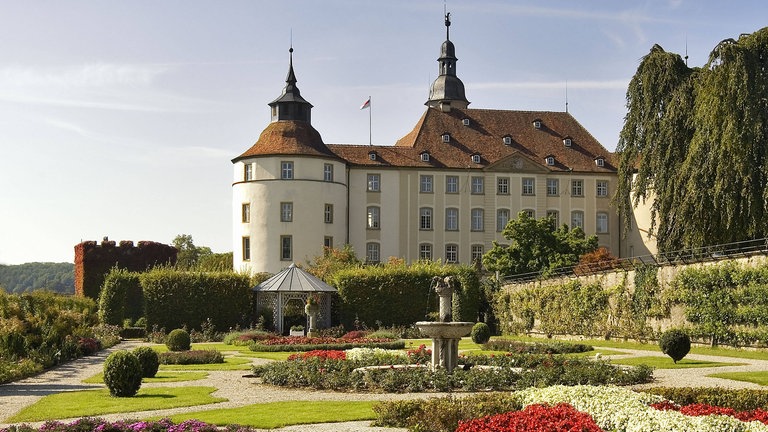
(760, 378)
(160, 377)
(99, 402)
(230, 363)
(278, 414)
(658, 362)
(278, 355)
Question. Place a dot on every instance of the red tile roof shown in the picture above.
(484, 136)
(288, 137)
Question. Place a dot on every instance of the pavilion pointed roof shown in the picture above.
(293, 279)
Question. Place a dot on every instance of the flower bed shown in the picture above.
(304, 343)
(97, 424)
(534, 418)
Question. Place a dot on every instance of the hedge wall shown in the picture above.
(175, 298)
(121, 297)
(400, 295)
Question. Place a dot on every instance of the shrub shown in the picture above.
(192, 357)
(738, 399)
(178, 340)
(481, 333)
(675, 343)
(149, 361)
(122, 374)
(519, 347)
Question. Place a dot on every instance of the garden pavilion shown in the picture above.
(286, 293)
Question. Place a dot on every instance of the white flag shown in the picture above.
(366, 104)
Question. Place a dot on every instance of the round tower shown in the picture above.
(289, 191)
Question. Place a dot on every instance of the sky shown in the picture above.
(121, 118)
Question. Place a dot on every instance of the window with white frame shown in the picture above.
(286, 248)
(328, 172)
(246, 212)
(477, 253)
(425, 218)
(372, 253)
(425, 157)
(286, 212)
(374, 182)
(602, 188)
(451, 184)
(600, 162)
(602, 223)
(248, 172)
(451, 253)
(577, 188)
(553, 187)
(555, 215)
(507, 140)
(477, 219)
(286, 170)
(328, 213)
(550, 160)
(577, 219)
(477, 185)
(502, 185)
(502, 218)
(425, 251)
(529, 186)
(373, 218)
(446, 138)
(451, 219)
(425, 184)
(246, 248)
(476, 158)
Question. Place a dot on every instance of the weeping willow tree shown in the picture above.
(695, 145)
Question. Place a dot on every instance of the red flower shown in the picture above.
(534, 418)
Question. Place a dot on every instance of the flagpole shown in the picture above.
(370, 141)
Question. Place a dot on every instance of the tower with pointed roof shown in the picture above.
(447, 90)
(289, 190)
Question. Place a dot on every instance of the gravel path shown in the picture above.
(240, 391)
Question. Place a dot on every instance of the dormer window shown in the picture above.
(476, 158)
(465, 121)
(507, 140)
(600, 161)
(446, 137)
(567, 142)
(550, 160)
(537, 124)
(372, 156)
(425, 157)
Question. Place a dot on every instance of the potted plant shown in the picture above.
(297, 330)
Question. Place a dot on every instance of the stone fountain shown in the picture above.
(445, 333)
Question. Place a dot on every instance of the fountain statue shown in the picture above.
(445, 333)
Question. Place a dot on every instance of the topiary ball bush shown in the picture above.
(149, 361)
(178, 340)
(122, 374)
(675, 343)
(481, 333)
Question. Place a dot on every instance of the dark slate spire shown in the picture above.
(447, 91)
(290, 105)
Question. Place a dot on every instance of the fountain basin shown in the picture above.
(445, 330)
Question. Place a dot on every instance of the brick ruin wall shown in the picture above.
(93, 261)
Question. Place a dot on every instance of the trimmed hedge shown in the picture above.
(255, 346)
(121, 297)
(740, 400)
(191, 357)
(174, 298)
(400, 295)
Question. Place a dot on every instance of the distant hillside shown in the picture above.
(58, 277)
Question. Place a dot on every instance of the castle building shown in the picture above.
(443, 192)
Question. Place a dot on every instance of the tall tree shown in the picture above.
(536, 246)
(189, 255)
(694, 144)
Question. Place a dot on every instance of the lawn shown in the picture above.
(659, 362)
(760, 378)
(230, 363)
(160, 377)
(99, 402)
(278, 414)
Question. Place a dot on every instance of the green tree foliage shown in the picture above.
(215, 262)
(121, 297)
(333, 260)
(693, 143)
(535, 246)
(189, 255)
(21, 278)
